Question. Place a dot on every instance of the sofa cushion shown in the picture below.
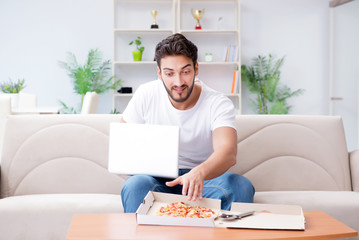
(354, 169)
(289, 152)
(342, 205)
(57, 154)
(48, 216)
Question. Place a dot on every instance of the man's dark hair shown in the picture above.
(175, 45)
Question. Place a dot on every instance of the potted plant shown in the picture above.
(262, 80)
(93, 76)
(14, 89)
(137, 55)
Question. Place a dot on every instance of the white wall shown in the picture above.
(346, 68)
(298, 30)
(36, 34)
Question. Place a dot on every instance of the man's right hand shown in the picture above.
(192, 184)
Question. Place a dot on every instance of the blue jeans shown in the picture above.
(228, 187)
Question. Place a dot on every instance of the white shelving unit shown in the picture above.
(132, 18)
(175, 16)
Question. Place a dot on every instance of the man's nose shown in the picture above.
(178, 80)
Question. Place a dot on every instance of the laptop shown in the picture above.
(143, 149)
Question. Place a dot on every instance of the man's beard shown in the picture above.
(180, 99)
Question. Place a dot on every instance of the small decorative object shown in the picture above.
(219, 22)
(154, 14)
(137, 55)
(13, 88)
(208, 57)
(125, 90)
(197, 14)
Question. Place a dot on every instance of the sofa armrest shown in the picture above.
(354, 169)
(0, 180)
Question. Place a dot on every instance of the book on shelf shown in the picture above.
(231, 53)
(235, 82)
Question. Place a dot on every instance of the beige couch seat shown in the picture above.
(46, 216)
(55, 166)
(300, 160)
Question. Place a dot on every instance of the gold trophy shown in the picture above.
(154, 14)
(197, 14)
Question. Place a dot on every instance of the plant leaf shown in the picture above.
(262, 79)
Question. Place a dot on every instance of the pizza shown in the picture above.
(181, 209)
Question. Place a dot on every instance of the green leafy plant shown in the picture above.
(114, 111)
(93, 76)
(263, 80)
(138, 43)
(13, 87)
(68, 110)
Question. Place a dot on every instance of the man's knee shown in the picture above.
(233, 188)
(134, 190)
(243, 189)
(136, 181)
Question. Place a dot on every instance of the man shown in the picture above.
(208, 137)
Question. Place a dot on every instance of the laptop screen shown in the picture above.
(144, 149)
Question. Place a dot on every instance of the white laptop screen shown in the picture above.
(144, 149)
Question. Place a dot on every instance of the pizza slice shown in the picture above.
(181, 209)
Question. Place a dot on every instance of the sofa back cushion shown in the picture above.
(289, 152)
(57, 154)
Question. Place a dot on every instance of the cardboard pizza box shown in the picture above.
(146, 213)
(266, 216)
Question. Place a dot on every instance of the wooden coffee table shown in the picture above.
(123, 226)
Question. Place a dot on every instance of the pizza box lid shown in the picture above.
(146, 213)
(266, 216)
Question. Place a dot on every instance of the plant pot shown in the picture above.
(14, 100)
(137, 56)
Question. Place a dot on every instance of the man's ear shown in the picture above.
(196, 69)
(159, 73)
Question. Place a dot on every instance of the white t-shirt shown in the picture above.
(151, 105)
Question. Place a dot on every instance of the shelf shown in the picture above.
(232, 95)
(131, 94)
(135, 63)
(123, 94)
(219, 31)
(209, 0)
(218, 63)
(154, 63)
(146, 0)
(124, 30)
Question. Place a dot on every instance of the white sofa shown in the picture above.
(55, 166)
